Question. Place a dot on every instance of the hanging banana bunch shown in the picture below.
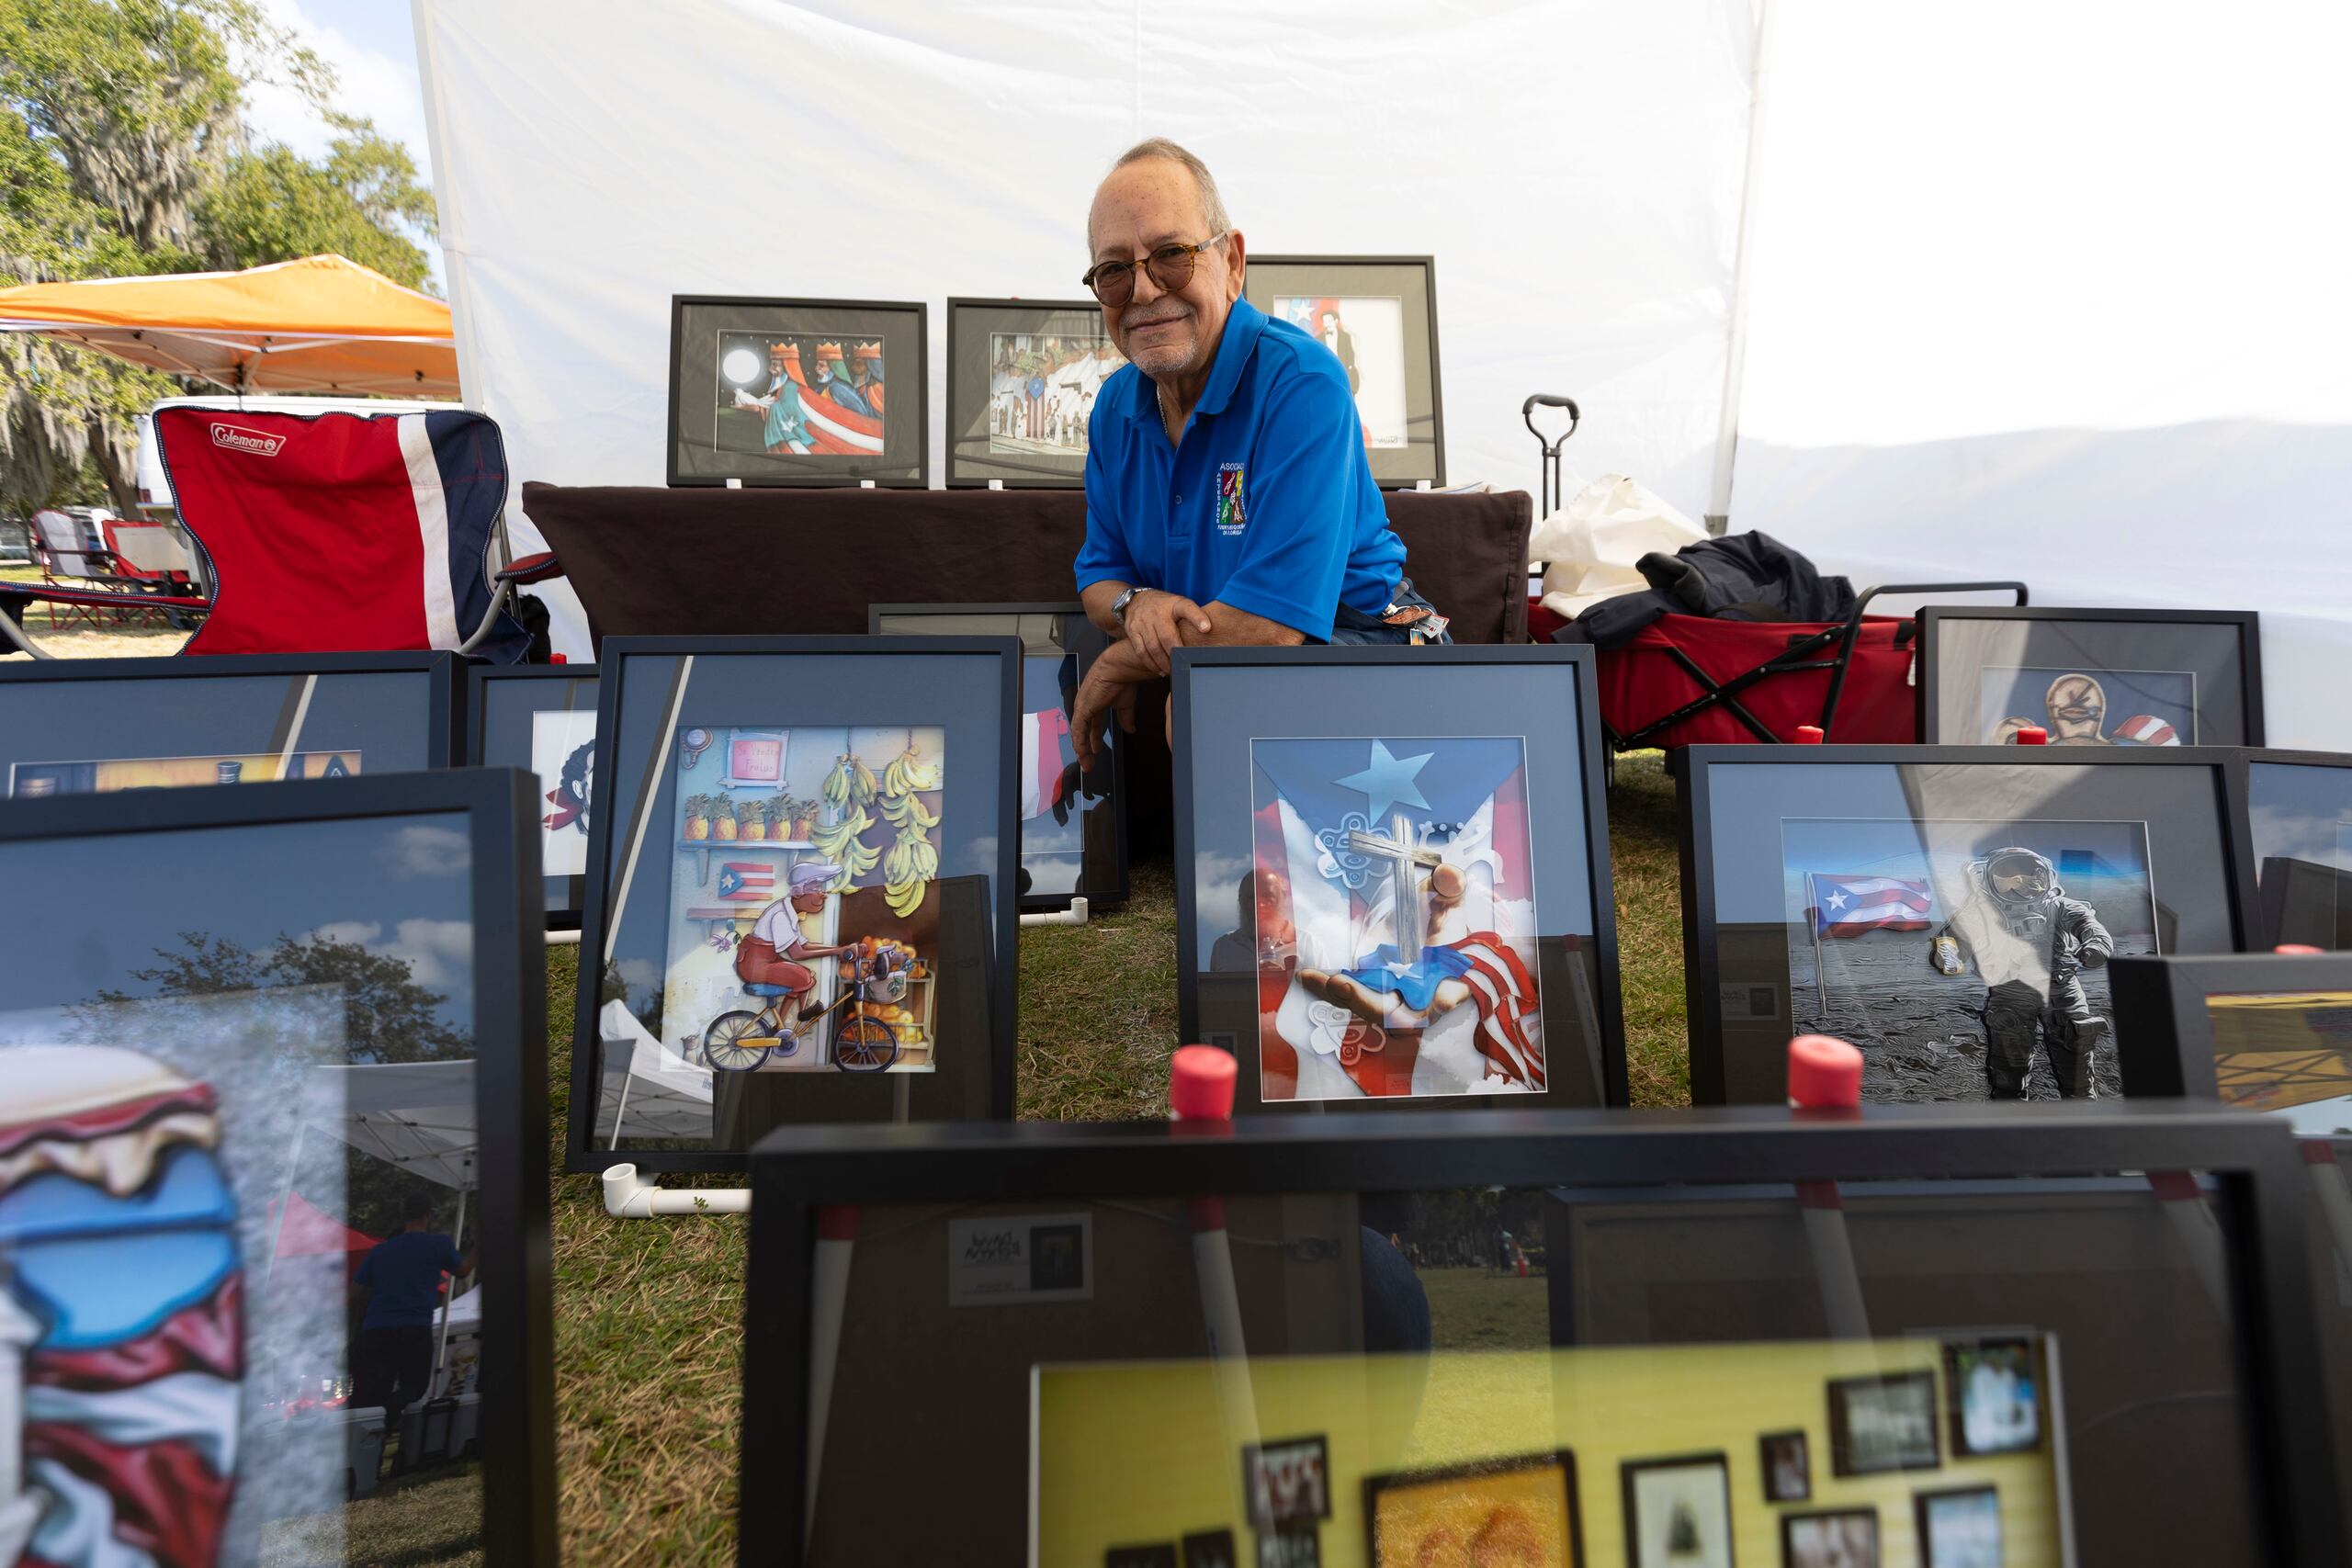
(908, 810)
(911, 864)
(835, 788)
(862, 785)
(909, 770)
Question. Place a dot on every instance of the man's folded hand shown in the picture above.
(1159, 623)
(1099, 697)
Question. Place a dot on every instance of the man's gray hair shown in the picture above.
(1212, 204)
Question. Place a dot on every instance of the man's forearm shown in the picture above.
(1096, 598)
(1123, 662)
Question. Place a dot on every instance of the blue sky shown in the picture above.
(372, 46)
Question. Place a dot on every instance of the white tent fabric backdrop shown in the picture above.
(1575, 168)
(2056, 292)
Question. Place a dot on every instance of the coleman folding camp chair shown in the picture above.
(87, 581)
(333, 533)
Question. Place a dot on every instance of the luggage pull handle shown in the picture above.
(1551, 500)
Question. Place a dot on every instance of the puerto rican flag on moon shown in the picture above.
(1442, 997)
(1854, 904)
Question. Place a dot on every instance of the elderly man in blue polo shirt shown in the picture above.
(1228, 500)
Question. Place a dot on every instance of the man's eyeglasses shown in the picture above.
(1171, 265)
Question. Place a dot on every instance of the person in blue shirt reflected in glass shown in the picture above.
(1228, 499)
(401, 1275)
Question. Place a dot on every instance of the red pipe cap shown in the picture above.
(2300, 949)
(1200, 1083)
(1825, 1074)
(1808, 735)
(2033, 734)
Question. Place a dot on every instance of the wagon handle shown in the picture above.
(1551, 498)
(1854, 627)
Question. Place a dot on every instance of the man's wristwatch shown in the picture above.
(1119, 605)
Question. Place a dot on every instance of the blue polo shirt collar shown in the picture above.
(1242, 326)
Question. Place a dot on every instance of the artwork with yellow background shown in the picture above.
(30, 779)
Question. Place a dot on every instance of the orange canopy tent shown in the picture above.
(321, 324)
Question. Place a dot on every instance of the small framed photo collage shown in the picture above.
(813, 392)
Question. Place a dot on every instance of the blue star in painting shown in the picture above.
(1388, 781)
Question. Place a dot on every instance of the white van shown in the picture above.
(156, 501)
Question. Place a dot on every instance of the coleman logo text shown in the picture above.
(239, 439)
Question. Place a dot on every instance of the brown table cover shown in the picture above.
(652, 563)
(658, 562)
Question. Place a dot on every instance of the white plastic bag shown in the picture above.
(1592, 543)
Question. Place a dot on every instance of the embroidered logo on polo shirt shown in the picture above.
(1230, 518)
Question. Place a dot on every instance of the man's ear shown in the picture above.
(1236, 262)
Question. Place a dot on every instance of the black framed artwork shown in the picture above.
(543, 717)
(1073, 825)
(1832, 1537)
(1678, 1510)
(797, 392)
(322, 1068)
(1023, 376)
(96, 726)
(1042, 1288)
(2298, 808)
(1393, 875)
(1785, 1461)
(2090, 677)
(2263, 1030)
(1378, 314)
(1883, 1422)
(1959, 1527)
(801, 892)
(1948, 909)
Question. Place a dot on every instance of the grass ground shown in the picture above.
(650, 1316)
(84, 641)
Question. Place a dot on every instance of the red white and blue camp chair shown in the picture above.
(333, 533)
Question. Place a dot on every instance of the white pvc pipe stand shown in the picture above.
(630, 1195)
(1073, 915)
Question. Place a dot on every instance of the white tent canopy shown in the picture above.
(416, 1115)
(2034, 291)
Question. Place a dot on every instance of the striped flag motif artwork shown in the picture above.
(1045, 757)
(739, 879)
(1395, 918)
(1849, 904)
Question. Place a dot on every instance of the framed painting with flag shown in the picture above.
(97, 725)
(2111, 678)
(1393, 874)
(801, 898)
(1952, 913)
(1073, 825)
(543, 717)
(1377, 315)
(798, 391)
(274, 1193)
(1023, 376)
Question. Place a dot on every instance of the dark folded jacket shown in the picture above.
(1741, 577)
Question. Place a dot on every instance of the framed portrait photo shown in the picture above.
(1073, 825)
(800, 904)
(1837, 1538)
(99, 726)
(2090, 677)
(1959, 1527)
(316, 1073)
(1023, 376)
(1378, 315)
(2299, 806)
(1393, 875)
(1787, 1464)
(797, 392)
(1884, 1423)
(1508, 1510)
(543, 717)
(1948, 909)
(1996, 1390)
(1678, 1512)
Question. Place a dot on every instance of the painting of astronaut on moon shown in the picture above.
(1966, 958)
(1391, 905)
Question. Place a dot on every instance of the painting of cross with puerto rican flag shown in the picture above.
(1392, 884)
